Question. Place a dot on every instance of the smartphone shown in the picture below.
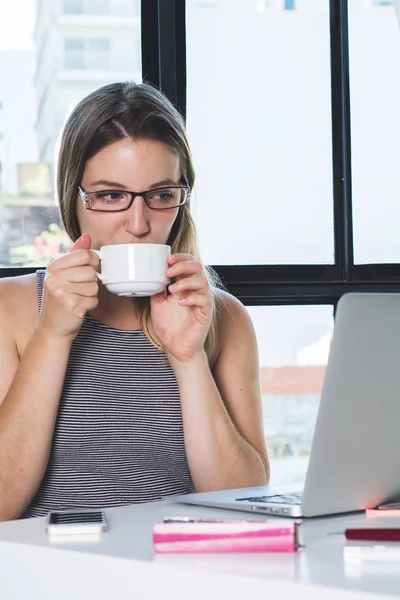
(76, 522)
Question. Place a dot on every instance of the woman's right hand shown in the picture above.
(70, 290)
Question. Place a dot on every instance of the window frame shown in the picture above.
(163, 44)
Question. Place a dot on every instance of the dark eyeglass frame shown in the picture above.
(85, 197)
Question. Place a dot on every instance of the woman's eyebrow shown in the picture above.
(164, 182)
(117, 185)
(107, 183)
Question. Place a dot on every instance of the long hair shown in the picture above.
(139, 112)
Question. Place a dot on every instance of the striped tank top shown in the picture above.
(118, 437)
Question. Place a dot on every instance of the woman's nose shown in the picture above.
(137, 217)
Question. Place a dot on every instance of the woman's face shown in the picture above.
(135, 166)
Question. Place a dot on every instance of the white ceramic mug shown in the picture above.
(134, 269)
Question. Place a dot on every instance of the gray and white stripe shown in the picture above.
(118, 437)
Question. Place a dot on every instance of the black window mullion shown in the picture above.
(180, 57)
(15, 271)
(341, 139)
(150, 42)
(303, 284)
(309, 293)
(382, 272)
(164, 48)
(167, 49)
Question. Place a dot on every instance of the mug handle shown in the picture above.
(101, 256)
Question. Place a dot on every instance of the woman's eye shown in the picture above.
(109, 197)
(163, 196)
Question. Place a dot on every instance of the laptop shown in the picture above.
(354, 461)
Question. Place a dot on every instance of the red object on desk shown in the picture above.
(374, 534)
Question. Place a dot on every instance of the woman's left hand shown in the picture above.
(181, 320)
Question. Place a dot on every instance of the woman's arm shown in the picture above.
(30, 389)
(31, 384)
(222, 415)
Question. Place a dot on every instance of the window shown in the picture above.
(293, 347)
(261, 133)
(74, 53)
(89, 7)
(38, 88)
(271, 175)
(97, 53)
(289, 4)
(92, 53)
(375, 122)
(73, 7)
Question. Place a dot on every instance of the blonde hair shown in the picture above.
(137, 111)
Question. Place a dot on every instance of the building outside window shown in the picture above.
(91, 53)
(86, 7)
(290, 4)
(45, 71)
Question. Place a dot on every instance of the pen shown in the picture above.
(372, 553)
(370, 534)
(377, 534)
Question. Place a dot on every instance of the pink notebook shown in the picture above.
(225, 536)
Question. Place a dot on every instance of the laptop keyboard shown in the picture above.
(293, 499)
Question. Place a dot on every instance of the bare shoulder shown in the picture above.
(232, 315)
(18, 302)
(18, 298)
(236, 337)
(15, 291)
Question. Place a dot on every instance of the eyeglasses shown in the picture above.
(163, 198)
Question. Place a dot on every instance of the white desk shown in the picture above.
(122, 562)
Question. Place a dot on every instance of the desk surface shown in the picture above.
(130, 537)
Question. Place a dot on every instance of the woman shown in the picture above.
(106, 400)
